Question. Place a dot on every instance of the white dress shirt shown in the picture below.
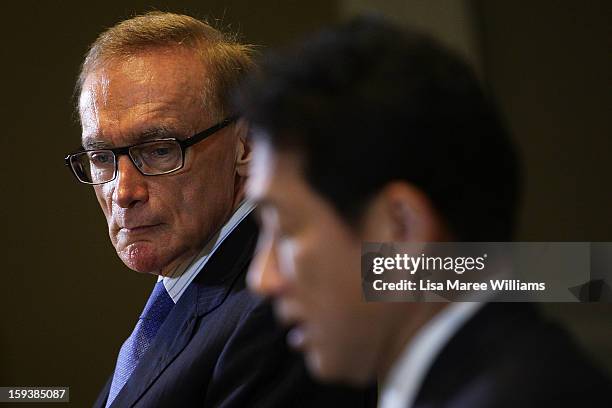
(408, 372)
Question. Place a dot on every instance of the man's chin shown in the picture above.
(320, 367)
(141, 257)
(330, 369)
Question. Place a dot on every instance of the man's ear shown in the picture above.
(401, 212)
(243, 149)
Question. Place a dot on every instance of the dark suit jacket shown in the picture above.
(220, 347)
(507, 355)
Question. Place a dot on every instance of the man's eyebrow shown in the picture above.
(90, 143)
(158, 132)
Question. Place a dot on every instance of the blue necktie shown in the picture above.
(155, 311)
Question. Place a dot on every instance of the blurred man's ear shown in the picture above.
(243, 149)
(401, 212)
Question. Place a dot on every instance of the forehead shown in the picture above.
(160, 84)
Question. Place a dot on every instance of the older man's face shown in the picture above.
(158, 222)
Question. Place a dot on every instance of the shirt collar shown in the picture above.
(184, 274)
(409, 370)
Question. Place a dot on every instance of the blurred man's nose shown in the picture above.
(131, 187)
(264, 276)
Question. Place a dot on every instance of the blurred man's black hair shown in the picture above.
(367, 103)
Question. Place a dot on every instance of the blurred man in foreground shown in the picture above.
(369, 133)
(168, 163)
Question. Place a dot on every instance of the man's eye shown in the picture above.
(160, 152)
(282, 238)
(284, 233)
(101, 158)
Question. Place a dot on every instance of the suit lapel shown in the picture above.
(474, 349)
(103, 396)
(227, 266)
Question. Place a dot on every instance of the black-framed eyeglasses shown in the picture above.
(152, 158)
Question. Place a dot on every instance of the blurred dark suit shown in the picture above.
(507, 355)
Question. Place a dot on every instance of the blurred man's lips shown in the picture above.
(296, 334)
(296, 338)
(288, 316)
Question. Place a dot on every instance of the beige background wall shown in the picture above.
(451, 21)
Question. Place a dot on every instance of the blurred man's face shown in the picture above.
(308, 261)
(158, 222)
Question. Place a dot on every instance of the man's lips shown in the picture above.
(297, 333)
(139, 228)
(296, 337)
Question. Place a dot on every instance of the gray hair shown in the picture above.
(226, 58)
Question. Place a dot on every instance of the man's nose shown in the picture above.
(264, 276)
(131, 187)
